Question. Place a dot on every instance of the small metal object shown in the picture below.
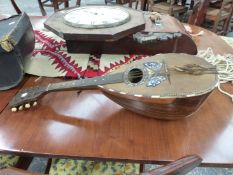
(14, 109)
(153, 37)
(27, 105)
(158, 24)
(21, 108)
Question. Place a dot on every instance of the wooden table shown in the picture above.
(91, 126)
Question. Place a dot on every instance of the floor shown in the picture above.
(31, 7)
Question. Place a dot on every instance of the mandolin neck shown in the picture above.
(86, 83)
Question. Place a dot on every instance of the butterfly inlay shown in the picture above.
(156, 73)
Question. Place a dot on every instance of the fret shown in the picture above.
(88, 82)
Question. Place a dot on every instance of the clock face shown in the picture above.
(95, 17)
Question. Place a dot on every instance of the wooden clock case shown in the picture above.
(169, 36)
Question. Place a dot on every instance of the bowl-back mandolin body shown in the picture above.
(166, 109)
(177, 97)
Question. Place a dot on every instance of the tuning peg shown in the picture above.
(27, 105)
(14, 109)
(34, 104)
(21, 108)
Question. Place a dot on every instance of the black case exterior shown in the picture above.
(17, 42)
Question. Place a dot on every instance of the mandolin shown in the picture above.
(164, 86)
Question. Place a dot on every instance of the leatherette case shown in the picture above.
(17, 42)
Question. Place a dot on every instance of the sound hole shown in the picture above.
(135, 75)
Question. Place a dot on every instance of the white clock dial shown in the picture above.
(95, 17)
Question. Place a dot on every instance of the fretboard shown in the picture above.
(87, 82)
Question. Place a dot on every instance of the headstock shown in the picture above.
(26, 98)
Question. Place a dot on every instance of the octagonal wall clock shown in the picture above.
(119, 30)
(97, 17)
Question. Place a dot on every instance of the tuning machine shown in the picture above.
(21, 108)
(14, 109)
(26, 106)
(34, 104)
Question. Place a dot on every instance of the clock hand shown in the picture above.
(94, 13)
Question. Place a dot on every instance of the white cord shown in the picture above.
(224, 65)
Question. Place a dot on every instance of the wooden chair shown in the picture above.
(122, 2)
(52, 3)
(181, 167)
(199, 10)
(170, 8)
(17, 9)
(46, 3)
(7, 161)
(220, 15)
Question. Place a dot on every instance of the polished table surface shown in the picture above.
(89, 125)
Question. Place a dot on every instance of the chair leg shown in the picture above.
(226, 25)
(16, 7)
(24, 162)
(66, 4)
(130, 3)
(136, 6)
(79, 2)
(43, 12)
(215, 26)
(141, 169)
(48, 166)
(55, 5)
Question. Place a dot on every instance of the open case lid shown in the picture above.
(16, 44)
